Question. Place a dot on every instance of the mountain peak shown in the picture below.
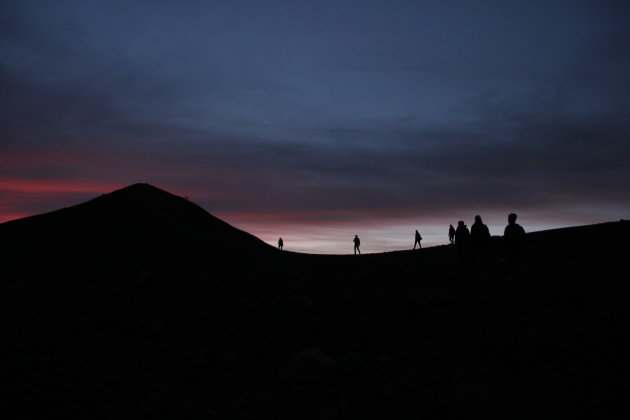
(141, 187)
(137, 216)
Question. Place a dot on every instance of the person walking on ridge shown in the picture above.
(418, 239)
(280, 244)
(357, 244)
(451, 234)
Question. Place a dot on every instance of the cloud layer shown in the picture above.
(346, 115)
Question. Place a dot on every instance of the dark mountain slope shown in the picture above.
(397, 335)
(139, 219)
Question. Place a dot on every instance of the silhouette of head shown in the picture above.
(460, 223)
(512, 218)
(478, 219)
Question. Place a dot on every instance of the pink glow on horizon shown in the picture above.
(311, 231)
(331, 217)
(15, 193)
(388, 233)
(7, 217)
(43, 186)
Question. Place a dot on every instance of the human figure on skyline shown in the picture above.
(462, 241)
(357, 244)
(280, 244)
(513, 238)
(479, 240)
(451, 234)
(417, 241)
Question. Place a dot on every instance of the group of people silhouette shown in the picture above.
(473, 244)
(475, 240)
(470, 244)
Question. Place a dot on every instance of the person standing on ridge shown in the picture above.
(513, 238)
(280, 244)
(357, 244)
(479, 240)
(462, 241)
(451, 234)
(418, 239)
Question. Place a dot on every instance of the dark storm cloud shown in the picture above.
(371, 109)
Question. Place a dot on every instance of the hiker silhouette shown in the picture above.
(417, 241)
(357, 244)
(479, 240)
(280, 243)
(451, 234)
(513, 238)
(462, 241)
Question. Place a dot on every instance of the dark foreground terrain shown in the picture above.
(139, 304)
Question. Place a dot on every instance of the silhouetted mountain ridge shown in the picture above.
(139, 216)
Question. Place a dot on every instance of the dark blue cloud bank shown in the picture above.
(297, 116)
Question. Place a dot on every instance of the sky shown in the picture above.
(316, 121)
